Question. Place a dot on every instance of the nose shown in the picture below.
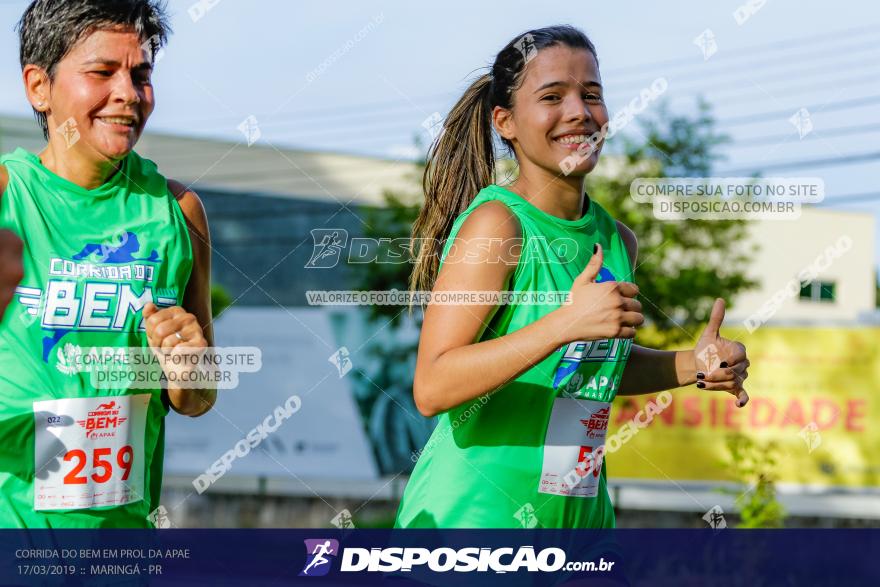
(575, 110)
(125, 90)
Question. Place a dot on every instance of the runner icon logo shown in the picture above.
(319, 555)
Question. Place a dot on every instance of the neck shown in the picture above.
(559, 195)
(75, 166)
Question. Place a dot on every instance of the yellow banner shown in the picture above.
(814, 391)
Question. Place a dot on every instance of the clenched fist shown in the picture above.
(174, 332)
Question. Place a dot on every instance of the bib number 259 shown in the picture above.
(102, 461)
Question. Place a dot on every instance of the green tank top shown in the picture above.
(73, 454)
(526, 456)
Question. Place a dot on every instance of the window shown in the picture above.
(818, 291)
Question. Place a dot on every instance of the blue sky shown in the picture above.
(363, 76)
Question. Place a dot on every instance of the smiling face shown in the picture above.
(555, 111)
(103, 86)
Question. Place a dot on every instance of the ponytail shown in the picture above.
(460, 163)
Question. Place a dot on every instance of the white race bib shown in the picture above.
(89, 452)
(574, 447)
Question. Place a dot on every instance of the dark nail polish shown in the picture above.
(701, 375)
(724, 364)
(701, 385)
(595, 248)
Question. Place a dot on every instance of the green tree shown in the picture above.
(220, 300)
(391, 226)
(754, 465)
(383, 385)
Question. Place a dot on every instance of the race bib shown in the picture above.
(574, 447)
(89, 452)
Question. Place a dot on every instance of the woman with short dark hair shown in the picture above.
(115, 256)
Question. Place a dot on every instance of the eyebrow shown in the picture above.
(561, 83)
(113, 63)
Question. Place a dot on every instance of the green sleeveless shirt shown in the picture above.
(526, 456)
(73, 454)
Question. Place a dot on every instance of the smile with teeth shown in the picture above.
(572, 139)
(117, 120)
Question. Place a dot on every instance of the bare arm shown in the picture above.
(452, 368)
(197, 296)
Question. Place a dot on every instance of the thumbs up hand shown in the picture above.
(721, 363)
(601, 310)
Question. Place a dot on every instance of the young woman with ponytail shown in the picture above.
(523, 389)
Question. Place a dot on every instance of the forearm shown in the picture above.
(651, 370)
(194, 402)
(463, 374)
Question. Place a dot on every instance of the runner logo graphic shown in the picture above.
(597, 423)
(319, 554)
(103, 422)
(124, 252)
(328, 246)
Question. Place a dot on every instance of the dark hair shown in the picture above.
(461, 161)
(49, 29)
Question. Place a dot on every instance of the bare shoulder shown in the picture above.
(492, 219)
(492, 228)
(629, 241)
(191, 205)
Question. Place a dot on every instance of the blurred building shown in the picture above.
(837, 247)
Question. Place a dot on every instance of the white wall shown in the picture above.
(787, 247)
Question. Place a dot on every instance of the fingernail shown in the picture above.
(701, 385)
(595, 248)
(701, 375)
(724, 364)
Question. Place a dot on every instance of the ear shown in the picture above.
(36, 85)
(502, 118)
